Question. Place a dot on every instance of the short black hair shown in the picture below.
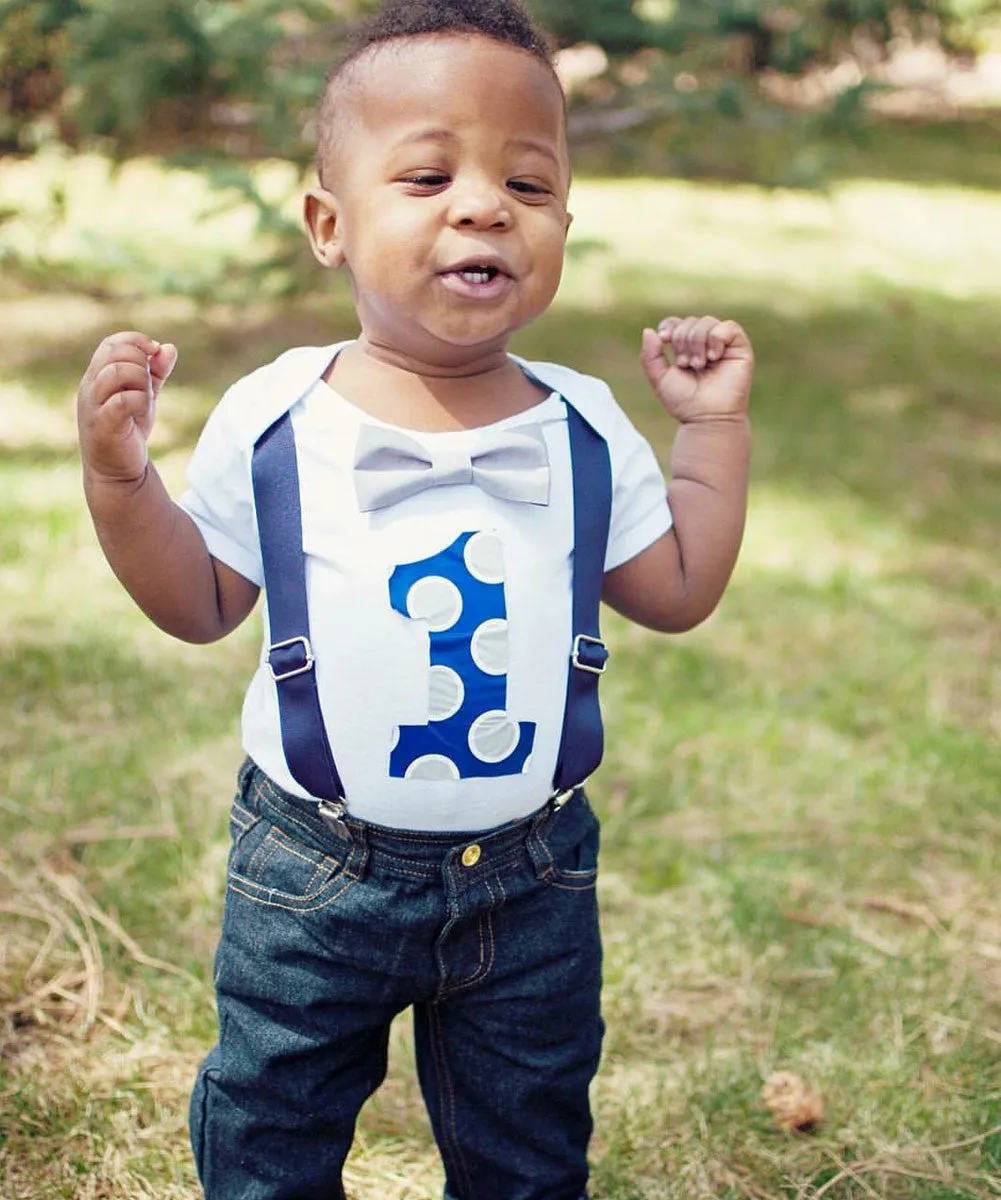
(502, 20)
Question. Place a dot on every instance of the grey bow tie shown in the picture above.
(389, 466)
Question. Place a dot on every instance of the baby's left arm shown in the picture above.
(677, 581)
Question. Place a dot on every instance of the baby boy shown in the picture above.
(432, 522)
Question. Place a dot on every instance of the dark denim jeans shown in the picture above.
(492, 937)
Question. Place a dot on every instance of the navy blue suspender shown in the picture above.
(290, 656)
(582, 741)
(275, 473)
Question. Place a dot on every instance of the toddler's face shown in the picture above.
(447, 199)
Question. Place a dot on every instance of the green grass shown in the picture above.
(800, 799)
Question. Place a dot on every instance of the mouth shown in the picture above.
(484, 278)
(478, 274)
(479, 270)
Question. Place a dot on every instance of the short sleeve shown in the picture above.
(640, 512)
(220, 496)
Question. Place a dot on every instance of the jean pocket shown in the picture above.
(572, 838)
(269, 866)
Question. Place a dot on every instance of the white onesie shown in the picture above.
(440, 624)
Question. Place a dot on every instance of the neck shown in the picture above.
(452, 362)
(435, 396)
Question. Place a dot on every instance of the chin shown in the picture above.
(472, 339)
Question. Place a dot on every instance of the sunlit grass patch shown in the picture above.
(792, 252)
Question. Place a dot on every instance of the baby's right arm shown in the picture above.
(153, 546)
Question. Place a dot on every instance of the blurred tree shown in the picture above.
(240, 76)
(791, 37)
(32, 43)
(230, 76)
(619, 28)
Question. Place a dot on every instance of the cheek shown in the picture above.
(551, 259)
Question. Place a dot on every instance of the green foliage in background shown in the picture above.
(226, 77)
(240, 76)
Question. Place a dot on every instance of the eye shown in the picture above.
(526, 187)
(426, 181)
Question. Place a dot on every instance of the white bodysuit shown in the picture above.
(440, 624)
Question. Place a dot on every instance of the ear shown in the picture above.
(566, 228)
(322, 218)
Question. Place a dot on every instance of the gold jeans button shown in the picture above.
(471, 855)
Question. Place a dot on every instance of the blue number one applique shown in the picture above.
(460, 594)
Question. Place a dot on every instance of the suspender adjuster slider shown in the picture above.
(292, 657)
(589, 654)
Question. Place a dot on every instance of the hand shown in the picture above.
(116, 404)
(710, 377)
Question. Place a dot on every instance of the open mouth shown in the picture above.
(483, 279)
(477, 273)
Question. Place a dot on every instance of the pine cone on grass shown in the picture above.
(792, 1102)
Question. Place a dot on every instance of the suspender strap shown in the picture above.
(290, 656)
(275, 475)
(582, 740)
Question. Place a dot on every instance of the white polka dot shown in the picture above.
(493, 736)
(484, 555)
(394, 740)
(446, 693)
(432, 766)
(528, 765)
(488, 646)
(435, 600)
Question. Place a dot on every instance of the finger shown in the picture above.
(107, 355)
(161, 366)
(698, 341)
(717, 341)
(726, 337)
(668, 331)
(128, 345)
(132, 337)
(667, 328)
(681, 341)
(130, 405)
(655, 366)
(118, 377)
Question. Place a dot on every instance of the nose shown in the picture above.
(479, 204)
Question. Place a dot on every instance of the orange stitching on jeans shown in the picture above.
(294, 820)
(576, 887)
(397, 870)
(289, 845)
(234, 879)
(241, 816)
(265, 850)
(485, 967)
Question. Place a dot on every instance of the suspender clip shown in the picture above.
(297, 659)
(589, 654)
(332, 812)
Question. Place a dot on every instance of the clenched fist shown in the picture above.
(116, 404)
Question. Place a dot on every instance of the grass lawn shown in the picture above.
(800, 799)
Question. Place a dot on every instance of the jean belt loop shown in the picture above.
(535, 844)
(246, 772)
(358, 855)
